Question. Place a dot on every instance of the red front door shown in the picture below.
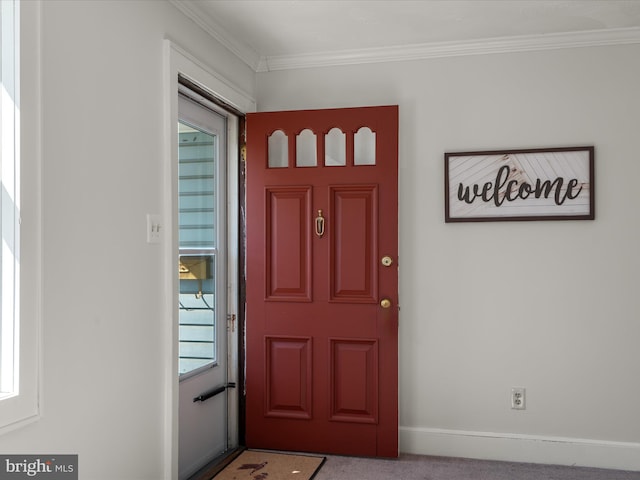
(322, 281)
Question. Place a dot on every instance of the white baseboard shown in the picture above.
(520, 448)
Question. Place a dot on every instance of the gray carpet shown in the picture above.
(417, 467)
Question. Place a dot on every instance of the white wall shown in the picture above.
(103, 333)
(550, 306)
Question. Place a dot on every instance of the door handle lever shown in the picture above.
(212, 393)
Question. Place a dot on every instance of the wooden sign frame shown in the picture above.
(516, 185)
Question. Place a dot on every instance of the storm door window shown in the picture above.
(197, 204)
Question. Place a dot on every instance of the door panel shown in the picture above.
(202, 297)
(354, 273)
(321, 350)
(354, 381)
(288, 377)
(288, 250)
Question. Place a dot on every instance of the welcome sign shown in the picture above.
(533, 184)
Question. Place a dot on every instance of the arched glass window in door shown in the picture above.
(306, 152)
(278, 150)
(364, 147)
(335, 150)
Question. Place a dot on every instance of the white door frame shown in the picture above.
(179, 62)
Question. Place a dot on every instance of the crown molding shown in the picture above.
(525, 43)
(245, 53)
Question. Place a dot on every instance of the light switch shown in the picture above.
(153, 228)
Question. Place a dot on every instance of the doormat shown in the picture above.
(257, 465)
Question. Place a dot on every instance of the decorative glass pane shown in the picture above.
(278, 150)
(306, 154)
(364, 147)
(335, 150)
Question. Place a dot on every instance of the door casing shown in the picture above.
(179, 63)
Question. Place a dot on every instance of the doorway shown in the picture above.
(207, 287)
(183, 71)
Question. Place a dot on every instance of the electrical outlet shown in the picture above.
(518, 398)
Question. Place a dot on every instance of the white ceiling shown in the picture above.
(270, 34)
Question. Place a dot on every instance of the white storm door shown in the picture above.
(202, 296)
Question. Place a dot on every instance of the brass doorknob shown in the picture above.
(385, 303)
(386, 261)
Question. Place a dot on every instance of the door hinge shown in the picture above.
(231, 322)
